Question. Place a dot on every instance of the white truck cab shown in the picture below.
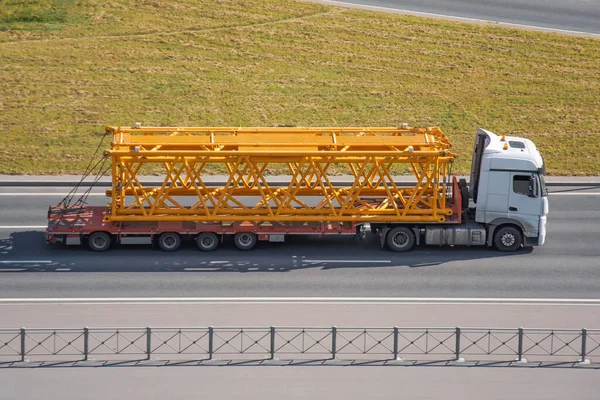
(508, 190)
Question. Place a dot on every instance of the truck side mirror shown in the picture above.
(532, 192)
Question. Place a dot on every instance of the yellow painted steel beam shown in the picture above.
(307, 153)
(307, 218)
(244, 139)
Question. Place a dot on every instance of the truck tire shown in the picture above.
(169, 241)
(244, 240)
(99, 241)
(508, 238)
(207, 241)
(400, 238)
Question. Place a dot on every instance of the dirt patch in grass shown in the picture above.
(70, 67)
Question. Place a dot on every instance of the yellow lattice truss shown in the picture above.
(307, 154)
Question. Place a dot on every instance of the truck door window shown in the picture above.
(521, 184)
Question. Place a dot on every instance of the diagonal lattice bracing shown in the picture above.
(180, 341)
(489, 342)
(310, 155)
(428, 341)
(551, 343)
(54, 342)
(593, 342)
(303, 341)
(10, 343)
(241, 341)
(365, 341)
(109, 342)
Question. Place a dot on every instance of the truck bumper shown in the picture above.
(542, 231)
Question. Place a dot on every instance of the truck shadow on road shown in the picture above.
(28, 252)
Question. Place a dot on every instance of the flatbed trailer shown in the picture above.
(438, 209)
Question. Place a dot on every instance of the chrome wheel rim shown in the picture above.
(401, 239)
(245, 239)
(99, 241)
(169, 241)
(508, 239)
(207, 241)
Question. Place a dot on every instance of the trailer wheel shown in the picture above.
(508, 238)
(169, 241)
(207, 241)
(244, 240)
(400, 238)
(99, 241)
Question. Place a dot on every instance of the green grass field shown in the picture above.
(68, 68)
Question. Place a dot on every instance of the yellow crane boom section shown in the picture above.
(308, 157)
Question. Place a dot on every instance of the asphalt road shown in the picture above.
(299, 382)
(568, 266)
(570, 15)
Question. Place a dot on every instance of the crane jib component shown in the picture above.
(308, 157)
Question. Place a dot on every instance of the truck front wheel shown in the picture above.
(169, 241)
(99, 241)
(508, 238)
(400, 238)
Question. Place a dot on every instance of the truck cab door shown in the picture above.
(525, 201)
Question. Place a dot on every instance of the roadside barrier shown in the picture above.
(233, 343)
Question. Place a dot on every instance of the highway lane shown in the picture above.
(568, 266)
(569, 15)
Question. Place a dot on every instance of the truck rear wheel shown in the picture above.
(99, 241)
(169, 241)
(508, 238)
(207, 241)
(400, 238)
(244, 240)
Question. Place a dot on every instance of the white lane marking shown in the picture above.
(346, 261)
(450, 17)
(301, 300)
(62, 269)
(576, 194)
(201, 269)
(26, 262)
(23, 226)
(46, 194)
(12, 269)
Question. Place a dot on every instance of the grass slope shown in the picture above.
(67, 68)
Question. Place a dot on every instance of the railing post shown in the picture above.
(583, 344)
(520, 346)
(148, 342)
(272, 343)
(23, 344)
(86, 342)
(210, 342)
(333, 342)
(395, 343)
(457, 348)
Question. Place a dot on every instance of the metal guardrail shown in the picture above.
(508, 344)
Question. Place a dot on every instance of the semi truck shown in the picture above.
(504, 204)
